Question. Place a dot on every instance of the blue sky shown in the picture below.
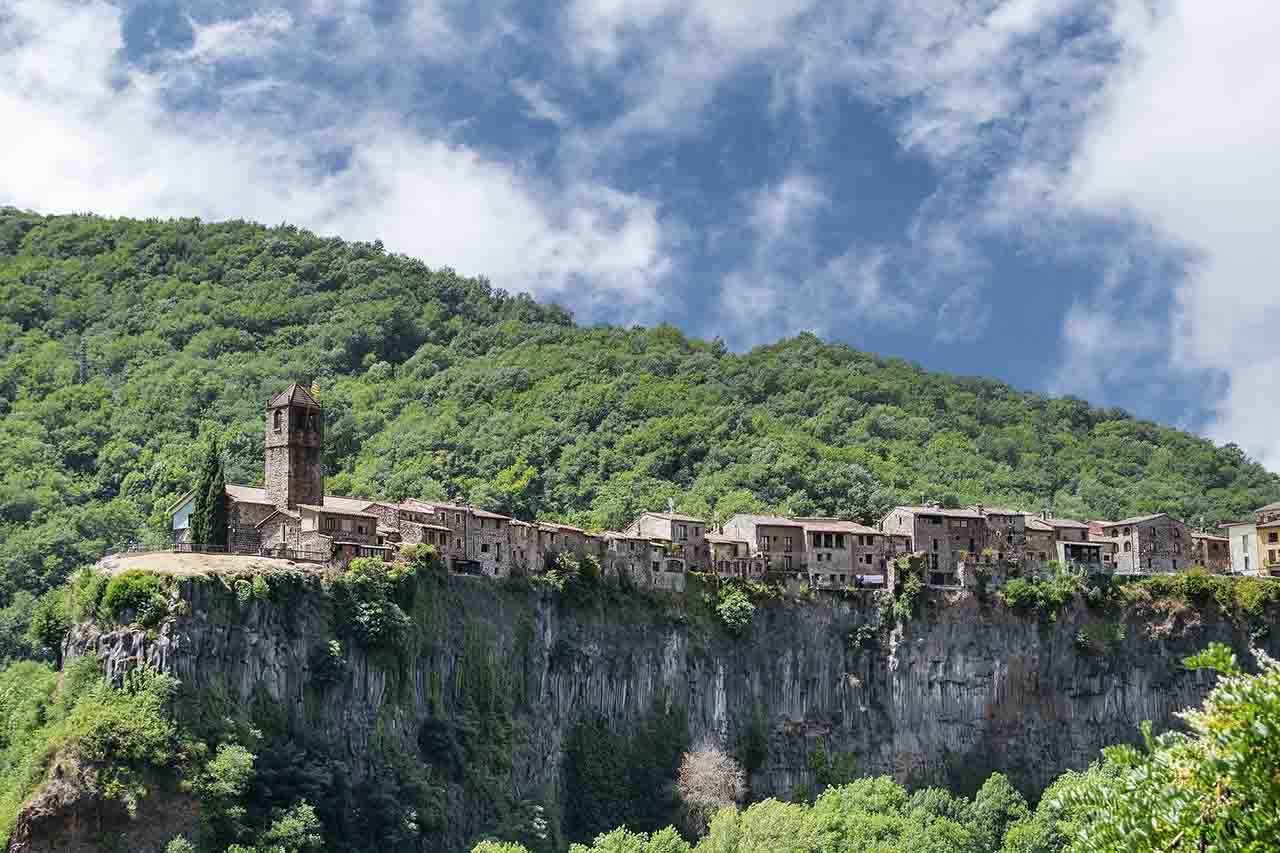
(1075, 197)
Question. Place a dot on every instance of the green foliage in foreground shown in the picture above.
(872, 814)
(127, 347)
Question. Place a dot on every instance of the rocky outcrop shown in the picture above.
(964, 689)
(68, 815)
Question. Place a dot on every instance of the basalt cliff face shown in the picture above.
(963, 689)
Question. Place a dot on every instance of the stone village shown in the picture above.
(292, 517)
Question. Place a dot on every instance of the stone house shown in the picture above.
(1150, 544)
(630, 559)
(843, 554)
(489, 542)
(946, 536)
(1042, 543)
(731, 557)
(685, 535)
(1212, 552)
(779, 541)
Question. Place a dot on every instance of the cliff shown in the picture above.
(963, 689)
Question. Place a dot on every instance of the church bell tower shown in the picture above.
(294, 440)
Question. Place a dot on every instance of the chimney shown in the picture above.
(981, 510)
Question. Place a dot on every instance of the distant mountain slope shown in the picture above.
(121, 340)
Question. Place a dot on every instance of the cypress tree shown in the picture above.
(201, 522)
(216, 500)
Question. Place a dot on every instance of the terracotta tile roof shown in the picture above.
(330, 507)
(415, 505)
(998, 510)
(333, 503)
(248, 495)
(1249, 523)
(1195, 535)
(1137, 519)
(772, 520)
(1065, 522)
(726, 539)
(288, 513)
(294, 395)
(429, 525)
(1269, 507)
(1035, 522)
(933, 510)
(675, 516)
(835, 525)
(614, 534)
(484, 513)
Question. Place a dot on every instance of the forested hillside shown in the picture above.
(123, 342)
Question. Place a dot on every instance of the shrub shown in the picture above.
(735, 610)
(137, 592)
(50, 621)
(366, 594)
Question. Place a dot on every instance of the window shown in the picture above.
(682, 532)
(1126, 531)
(360, 528)
(786, 543)
(1115, 531)
(1177, 533)
(786, 562)
(1128, 546)
(497, 552)
(1271, 556)
(655, 565)
(840, 541)
(330, 523)
(1273, 537)
(935, 545)
(696, 532)
(484, 547)
(276, 420)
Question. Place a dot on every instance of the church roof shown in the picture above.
(294, 395)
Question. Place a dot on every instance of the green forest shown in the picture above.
(126, 344)
(128, 348)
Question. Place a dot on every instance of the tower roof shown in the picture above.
(294, 395)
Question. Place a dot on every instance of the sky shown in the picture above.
(1075, 197)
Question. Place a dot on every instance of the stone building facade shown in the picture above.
(294, 442)
(1212, 552)
(1150, 544)
(946, 536)
(685, 535)
(780, 542)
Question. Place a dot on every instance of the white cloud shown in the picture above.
(1186, 141)
(788, 204)
(96, 136)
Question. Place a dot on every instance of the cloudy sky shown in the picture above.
(1076, 197)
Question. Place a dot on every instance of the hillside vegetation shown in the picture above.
(122, 340)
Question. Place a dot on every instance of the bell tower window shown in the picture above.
(276, 419)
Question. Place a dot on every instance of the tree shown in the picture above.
(1215, 788)
(708, 781)
(205, 510)
(216, 502)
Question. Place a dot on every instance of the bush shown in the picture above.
(367, 593)
(735, 610)
(50, 621)
(137, 592)
(1046, 597)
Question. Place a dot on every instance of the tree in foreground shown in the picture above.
(1215, 788)
(209, 514)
